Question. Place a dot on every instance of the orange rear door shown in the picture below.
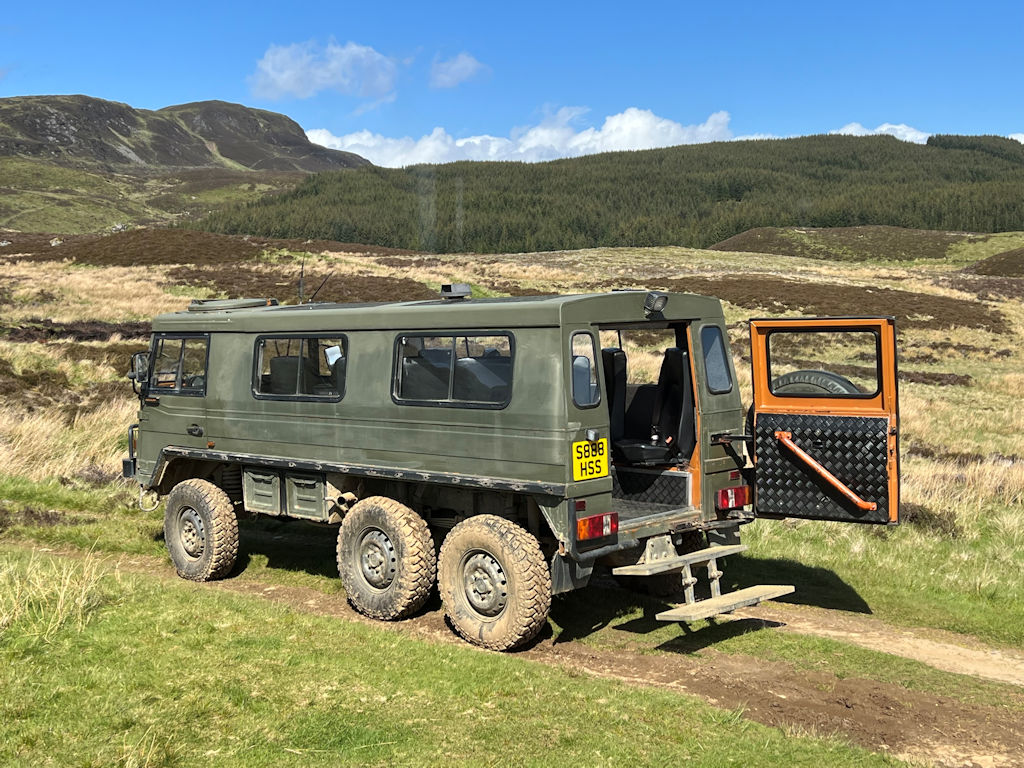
(826, 419)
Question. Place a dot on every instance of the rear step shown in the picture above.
(693, 609)
(680, 562)
(741, 598)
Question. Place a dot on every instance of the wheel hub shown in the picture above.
(485, 584)
(191, 532)
(377, 559)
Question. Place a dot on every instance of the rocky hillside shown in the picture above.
(84, 132)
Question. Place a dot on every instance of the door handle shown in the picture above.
(786, 438)
(195, 430)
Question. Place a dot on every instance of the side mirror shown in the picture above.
(138, 371)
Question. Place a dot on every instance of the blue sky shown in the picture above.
(409, 82)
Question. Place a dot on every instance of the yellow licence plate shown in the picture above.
(589, 459)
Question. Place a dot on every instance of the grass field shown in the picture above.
(67, 328)
(37, 196)
(172, 674)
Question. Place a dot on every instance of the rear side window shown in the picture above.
(179, 365)
(300, 367)
(471, 371)
(585, 390)
(716, 360)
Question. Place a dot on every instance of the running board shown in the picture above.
(741, 598)
(679, 562)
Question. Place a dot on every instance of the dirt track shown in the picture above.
(881, 716)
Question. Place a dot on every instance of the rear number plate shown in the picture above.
(589, 459)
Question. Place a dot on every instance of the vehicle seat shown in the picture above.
(284, 374)
(614, 361)
(477, 383)
(671, 423)
(423, 381)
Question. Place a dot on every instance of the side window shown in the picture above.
(165, 363)
(179, 365)
(472, 371)
(193, 366)
(824, 363)
(301, 367)
(716, 360)
(585, 391)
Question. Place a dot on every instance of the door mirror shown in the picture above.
(138, 370)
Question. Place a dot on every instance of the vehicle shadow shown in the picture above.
(819, 587)
(605, 604)
(287, 545)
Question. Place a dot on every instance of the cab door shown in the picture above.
(174, 399)
(826, 419)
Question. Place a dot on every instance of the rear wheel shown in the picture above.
(386, 558)
(494, 582)
(200, 530)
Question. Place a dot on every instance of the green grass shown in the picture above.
(174, 674)
(972, 250)
(299, 554)
(38, 196)
(905, 576)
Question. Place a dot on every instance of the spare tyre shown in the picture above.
(806, 383)
(814, 383)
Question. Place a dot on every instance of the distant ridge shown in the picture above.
(90, 133)
(695, 195)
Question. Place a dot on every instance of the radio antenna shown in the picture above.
(302, 275)
(321, 285)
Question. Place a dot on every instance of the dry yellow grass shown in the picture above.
(41, 445)
(984, 419)
(87, 293)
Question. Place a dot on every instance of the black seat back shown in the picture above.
(673, 416)
(614, 361)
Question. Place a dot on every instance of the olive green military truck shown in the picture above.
(504, 448)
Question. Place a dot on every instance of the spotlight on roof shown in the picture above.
(654, 303)
(455, 291)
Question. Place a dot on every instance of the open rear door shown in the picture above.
(826, 419)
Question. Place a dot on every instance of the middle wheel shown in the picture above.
(494, 582)
(386, 558)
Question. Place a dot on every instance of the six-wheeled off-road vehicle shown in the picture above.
(500, 449)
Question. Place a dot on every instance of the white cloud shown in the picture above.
(555, 136)
(304, 69)
(901, 131)
(1017, 137)
(448, 74)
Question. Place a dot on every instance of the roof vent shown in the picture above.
(455, 291)
(218, 305)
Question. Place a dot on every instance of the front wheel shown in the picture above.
(200, 530)
(386, 558)
(494, 582)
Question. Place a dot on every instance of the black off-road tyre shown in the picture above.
(814, 383)
(386, 559)
(201, 530)
(494, 582)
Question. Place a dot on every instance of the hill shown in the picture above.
(690, 195)
(80, 131)
(75, 164)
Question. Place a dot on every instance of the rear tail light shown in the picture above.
(597, 526)
(733, 498)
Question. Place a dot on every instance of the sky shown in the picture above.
(408, 82)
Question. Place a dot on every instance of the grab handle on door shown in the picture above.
(786, 438)
(195, 430)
